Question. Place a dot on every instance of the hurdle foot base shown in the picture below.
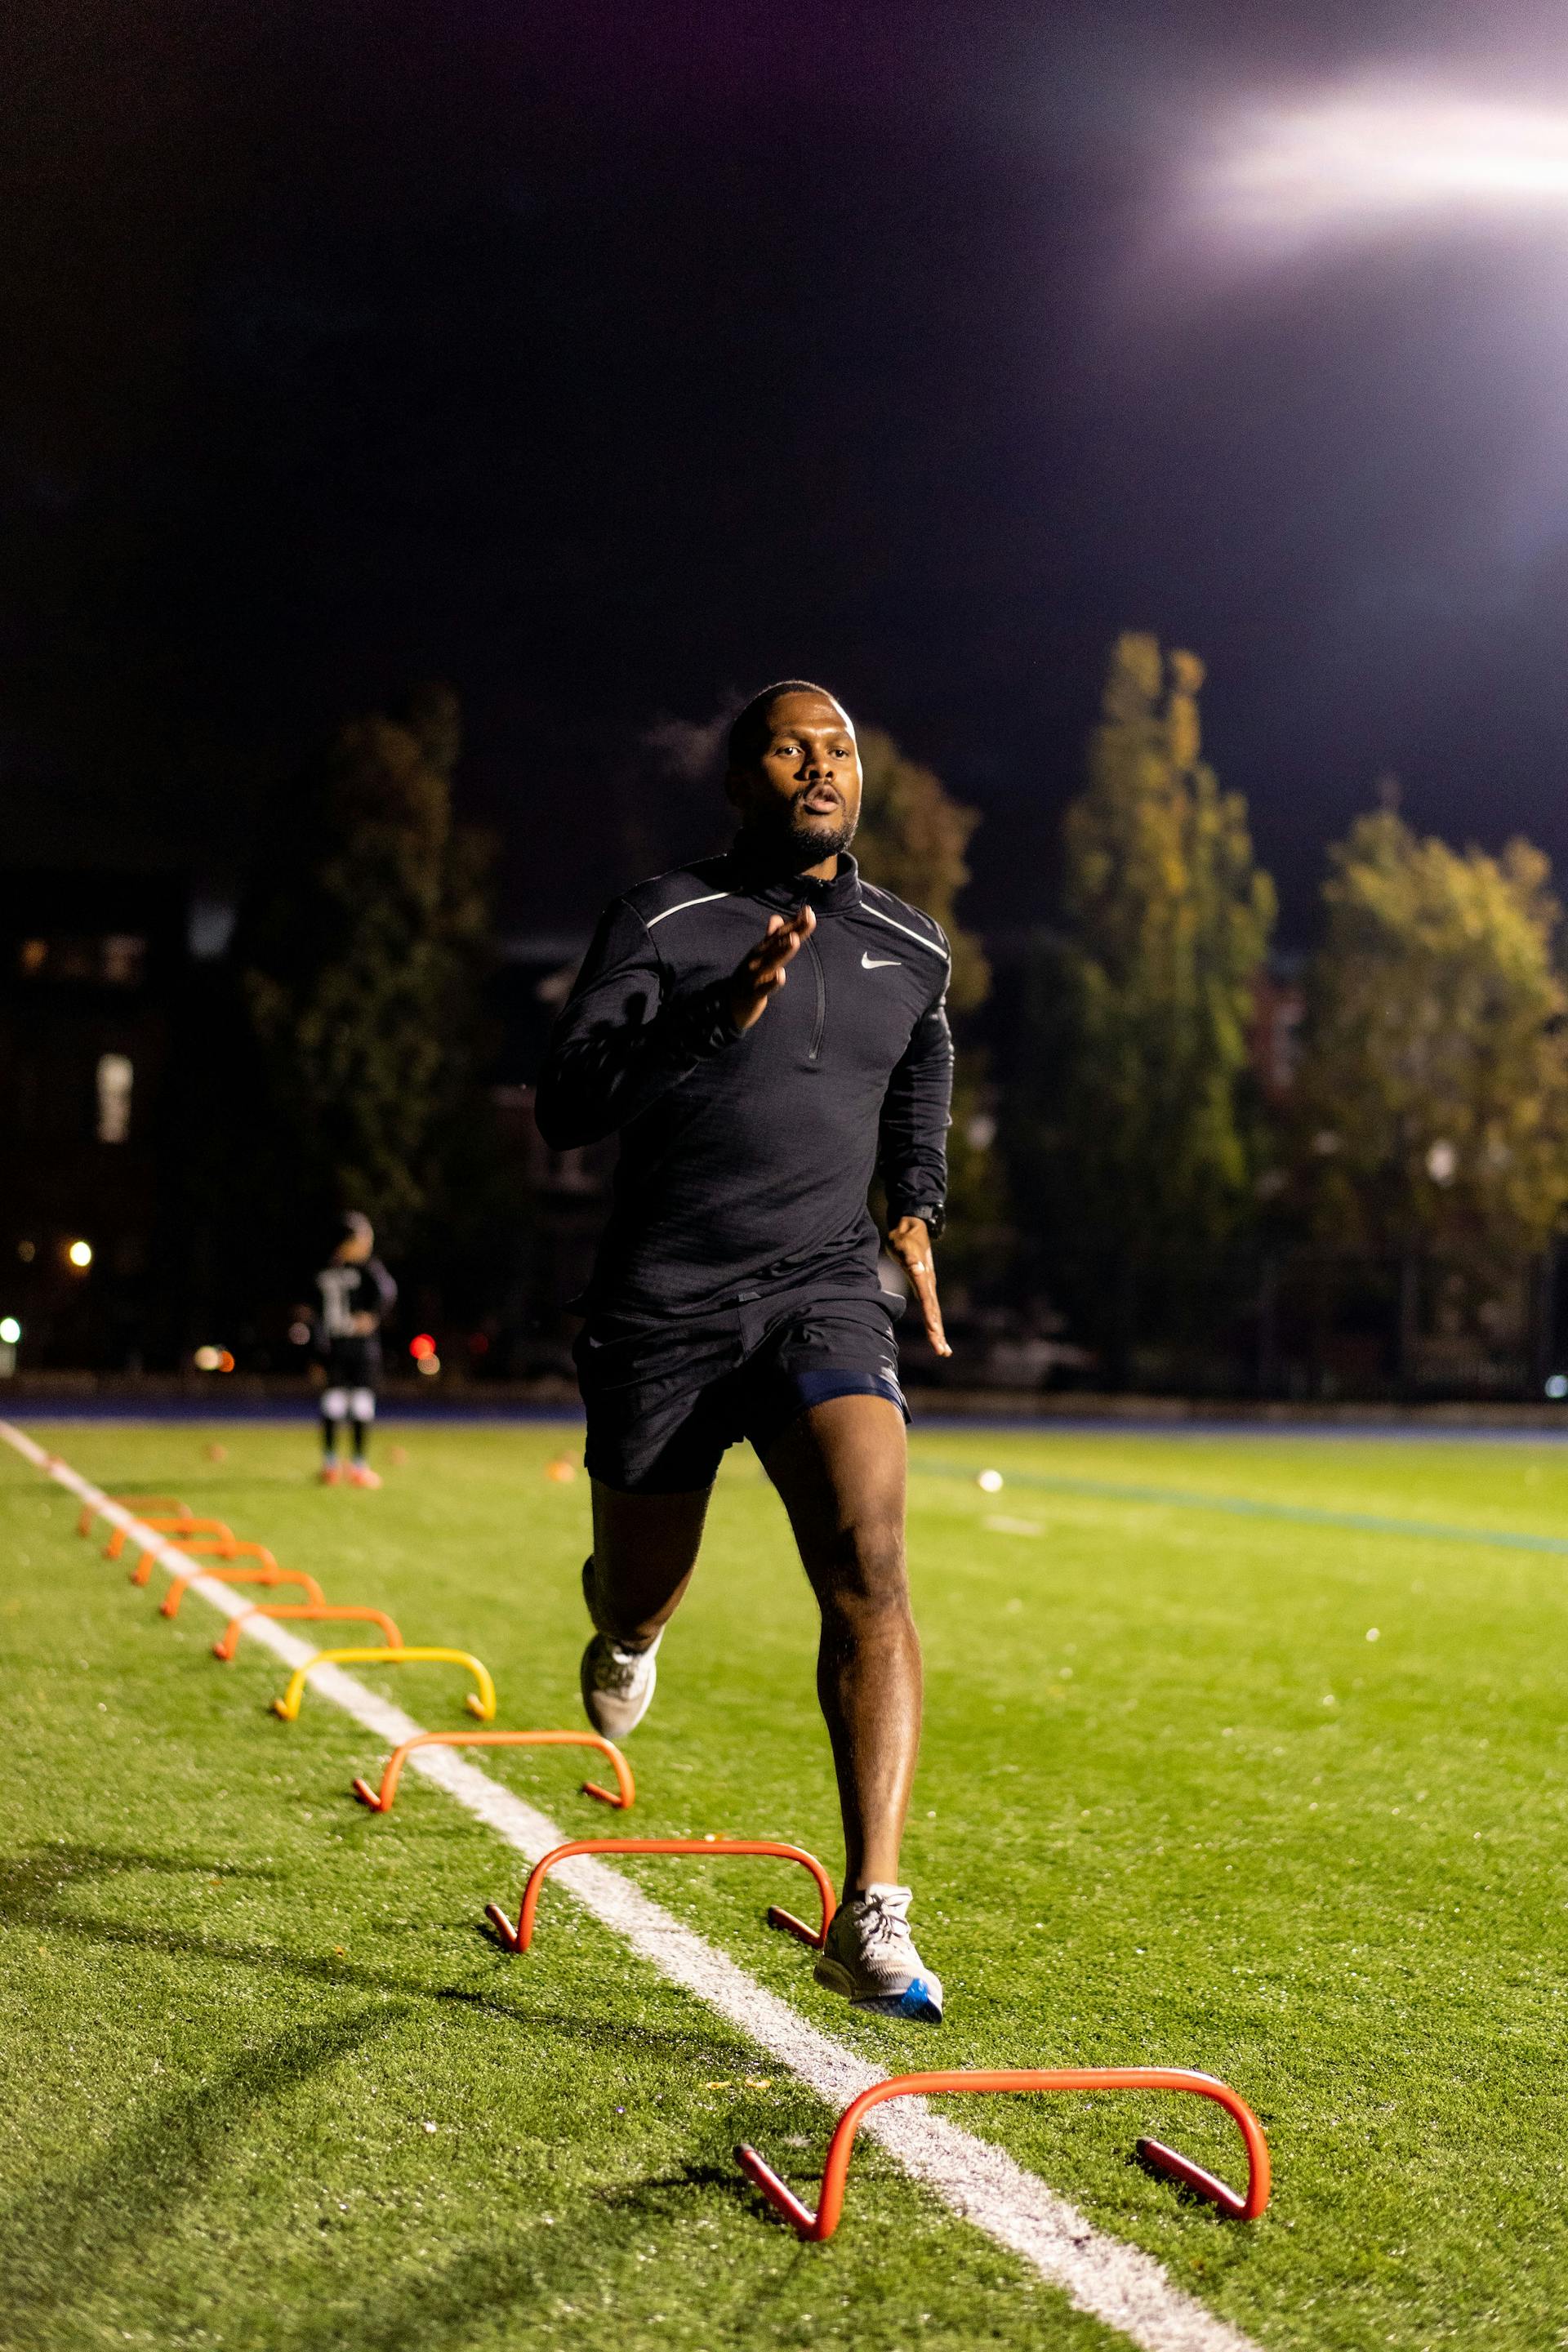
(780, 2196)
(788, 1925)
(368, 1796)
(502, 1926)
(1175, 2165)
(605, 1796)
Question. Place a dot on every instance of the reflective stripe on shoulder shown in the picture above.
(931, 946)
(649, 920)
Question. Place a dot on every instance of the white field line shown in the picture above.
(1117, 2284)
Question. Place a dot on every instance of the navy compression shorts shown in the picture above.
(664, 1401)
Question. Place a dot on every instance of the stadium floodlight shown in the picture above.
(1557, 1387)
(10, 1330)
(1359, 162)
(380, 1799)
(518, 1939)
(80, 1255)
(207, 1359)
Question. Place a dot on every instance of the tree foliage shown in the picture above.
(911, 839)
(362, 963)
(1434, 1091)
(1139, 1160)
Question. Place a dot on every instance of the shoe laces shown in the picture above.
(618, 1669)
(882, 1918)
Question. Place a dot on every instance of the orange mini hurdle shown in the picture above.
(90, 1511)
(380, 1799)
(227, 1547)
(518, 1938)
(269, 1575)
(821, 2224)
(188, 1527)
(228, 1639)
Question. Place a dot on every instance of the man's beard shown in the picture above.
(793, 839)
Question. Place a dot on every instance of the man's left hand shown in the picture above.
(910, 1244)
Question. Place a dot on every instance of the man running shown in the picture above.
(357, 1295)
(766, 1031)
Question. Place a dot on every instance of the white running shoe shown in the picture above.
(618, 1684)
(871, 1959)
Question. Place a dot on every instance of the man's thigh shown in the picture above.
(840, 1469)
(645, 1548)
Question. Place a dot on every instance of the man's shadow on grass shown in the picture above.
(68, 2231)
(30, 1885)
(88, 2226)
(540, 2266)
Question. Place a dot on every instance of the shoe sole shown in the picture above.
(916, 2001)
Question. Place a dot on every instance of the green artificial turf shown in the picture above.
(269, 2084)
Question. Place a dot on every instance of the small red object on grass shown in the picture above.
(272, 1574)
(380, 1799)
(518, 1939)
(228, 1639)
(1175, 2166)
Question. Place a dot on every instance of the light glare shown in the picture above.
(1362, 162)
(80, 1254)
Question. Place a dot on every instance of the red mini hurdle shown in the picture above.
(228, 1639)
(836, 2170)
(518, 1939)
(138, 1503)
(380, 1799)
(146, 1532)
(270, 1574)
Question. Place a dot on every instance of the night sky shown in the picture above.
(609, 362)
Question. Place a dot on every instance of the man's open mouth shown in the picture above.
(820, 800)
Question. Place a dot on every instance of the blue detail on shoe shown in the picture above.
(916, 2001)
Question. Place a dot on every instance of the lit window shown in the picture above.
(115, 1079)
(121, 960)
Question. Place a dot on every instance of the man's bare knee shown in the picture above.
(866, 1584)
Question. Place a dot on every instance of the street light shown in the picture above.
(80, 1255)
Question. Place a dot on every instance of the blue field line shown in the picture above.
(1245, 1506)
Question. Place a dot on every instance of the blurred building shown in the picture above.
(95, 975)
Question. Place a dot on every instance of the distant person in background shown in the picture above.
(357, 1295)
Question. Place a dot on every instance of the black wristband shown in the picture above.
(934, 1219)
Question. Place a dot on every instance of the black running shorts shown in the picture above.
(354, 1363)
(664, 1401)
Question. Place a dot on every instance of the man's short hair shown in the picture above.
(749, 735)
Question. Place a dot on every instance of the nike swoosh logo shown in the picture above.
(876, 963)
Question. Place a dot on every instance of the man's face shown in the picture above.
(804, 794)
(354, 1248)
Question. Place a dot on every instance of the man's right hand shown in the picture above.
(760, 973)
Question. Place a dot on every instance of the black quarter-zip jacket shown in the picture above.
(746, 1158)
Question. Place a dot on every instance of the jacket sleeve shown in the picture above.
(623, 1038)
(916, 1113)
